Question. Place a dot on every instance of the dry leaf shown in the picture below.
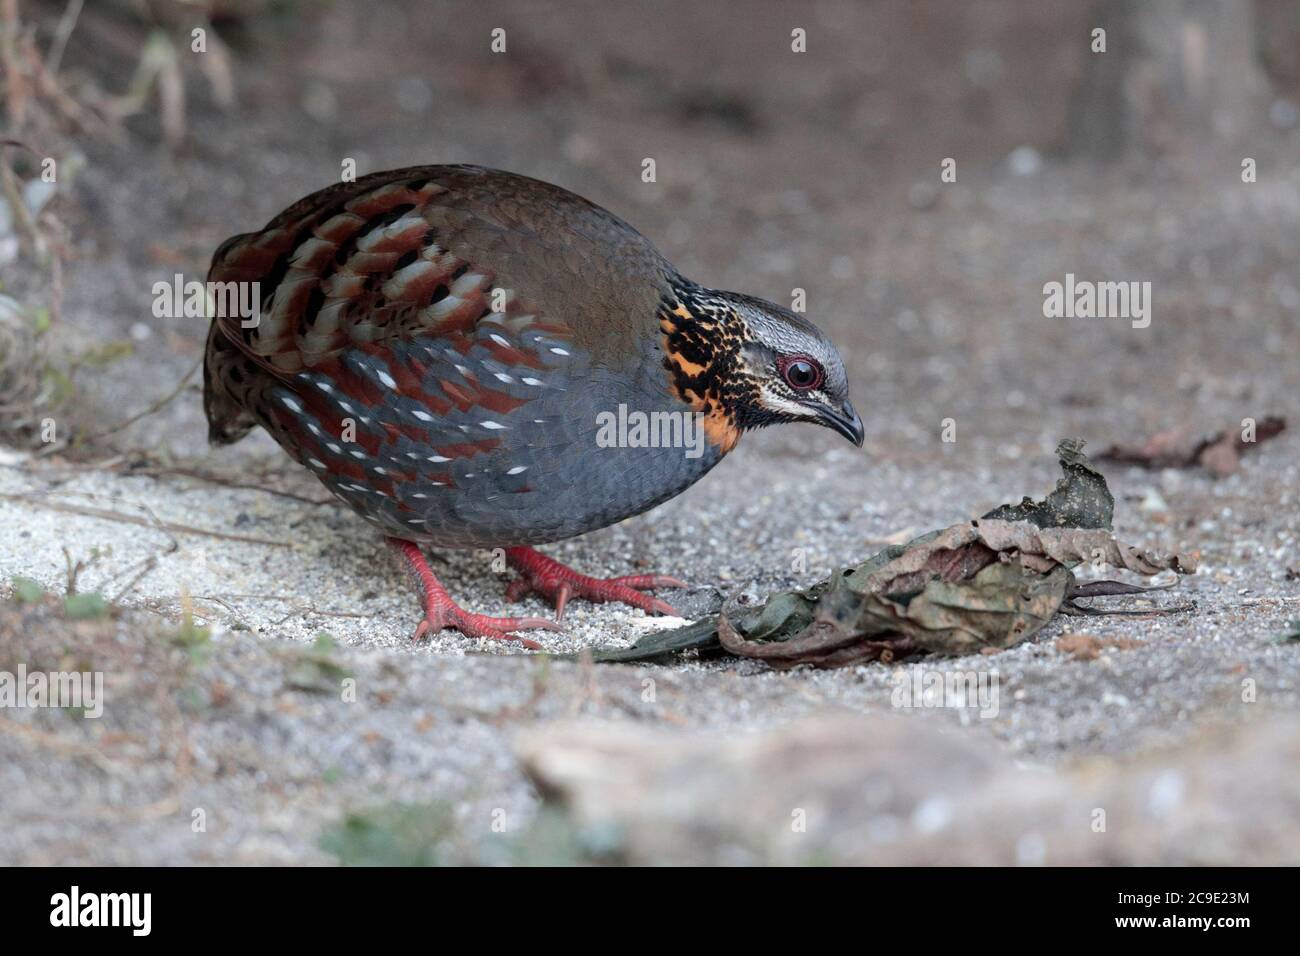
(982, 585)
(1219, 454)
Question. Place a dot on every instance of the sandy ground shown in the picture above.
(936, 299)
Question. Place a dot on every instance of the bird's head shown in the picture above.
(756, 363)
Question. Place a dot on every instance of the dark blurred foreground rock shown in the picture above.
(892, 790)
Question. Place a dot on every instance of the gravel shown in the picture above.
(939, 312)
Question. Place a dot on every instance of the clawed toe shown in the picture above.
(441, 612)
(559, 583)
(481, 625)
(648, 582)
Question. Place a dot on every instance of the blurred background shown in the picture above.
(1165, 149)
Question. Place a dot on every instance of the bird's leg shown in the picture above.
(440, 611)
(558, 582)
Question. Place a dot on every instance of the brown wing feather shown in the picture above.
(421, 252)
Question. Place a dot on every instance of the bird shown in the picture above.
(475, 359)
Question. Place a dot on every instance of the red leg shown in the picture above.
(554, 580)
(440, 611)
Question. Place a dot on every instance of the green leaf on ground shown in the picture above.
(26, 591)
(313, 669)
(390, 835)
(194, 639)
(85, 606)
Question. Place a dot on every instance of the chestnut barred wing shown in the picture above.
(446, 252)
(416, 250)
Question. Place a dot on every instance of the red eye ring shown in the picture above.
(801, 372)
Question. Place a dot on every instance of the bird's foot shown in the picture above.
(559, 582)
(440, 611)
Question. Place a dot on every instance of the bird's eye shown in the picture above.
(801, 372)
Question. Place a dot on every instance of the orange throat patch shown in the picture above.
(700, 350)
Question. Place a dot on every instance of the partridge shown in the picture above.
(474, 359)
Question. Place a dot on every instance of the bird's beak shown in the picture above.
(843, 420)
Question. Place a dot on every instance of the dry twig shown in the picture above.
(157, 525)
